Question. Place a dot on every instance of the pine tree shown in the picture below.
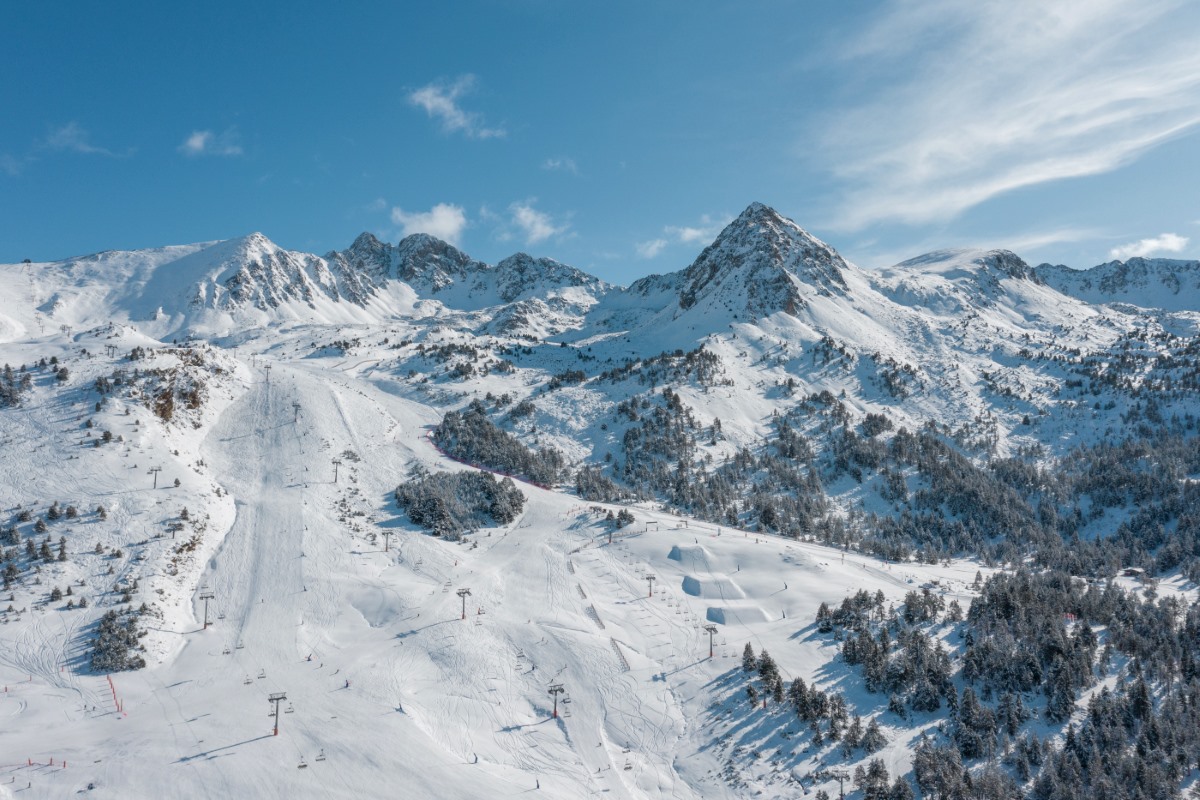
(873, 739)
(901, 790)
(875, 782)
(749, 662)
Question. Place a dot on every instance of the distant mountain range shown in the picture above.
(760, 264)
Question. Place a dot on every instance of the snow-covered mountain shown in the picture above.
(1169, 284)
(229, 420)
(220, 287)
(762, 263)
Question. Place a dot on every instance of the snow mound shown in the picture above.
(721, 587)
(10, 329)
(730, 615)
(377, 605)
(692, 551)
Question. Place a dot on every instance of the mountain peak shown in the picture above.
(999, 263)
(366, 241)
(429, 262)
(757, 210)
(764, 262)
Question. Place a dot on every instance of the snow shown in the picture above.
(551, 601)
(388, 689)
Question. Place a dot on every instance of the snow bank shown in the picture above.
(718, 586)
(742, 615)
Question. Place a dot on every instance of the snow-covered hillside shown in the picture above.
(1168, 284)
(218, 428)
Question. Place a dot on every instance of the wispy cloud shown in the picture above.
(207, 143)
(445, 221)
(73, 138)
(1033, 240)
(650, 248)
(562, 164)
(997, 95)
(440, 101)
(702, 233)
(1166, 243)
(871, 254)
(11, 165)
(537, 226)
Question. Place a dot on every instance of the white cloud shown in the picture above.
(703, 233)
(1166, 243)
(561, 165)
(440, 101)
(996, 95)
(445, 221)
(651, 248)
(207, 143)
(690, 235)
(536, 225)
(73, 138)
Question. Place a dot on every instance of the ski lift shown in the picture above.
(240, 645)
(628, 765)
(290, 709)
(262, 673)
(321, 756)
(303, 764)
(221, 615)
(226, 651)
(247, 681)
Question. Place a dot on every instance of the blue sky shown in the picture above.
(616, 137)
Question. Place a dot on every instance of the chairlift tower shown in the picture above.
(464, 594)
(651, 579)
(276, 698)
(337, 462)
(841, 776)
(712, 629)
(154, 471)
(206, 596)
(555, 690)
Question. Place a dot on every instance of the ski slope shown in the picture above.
(388, 689)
